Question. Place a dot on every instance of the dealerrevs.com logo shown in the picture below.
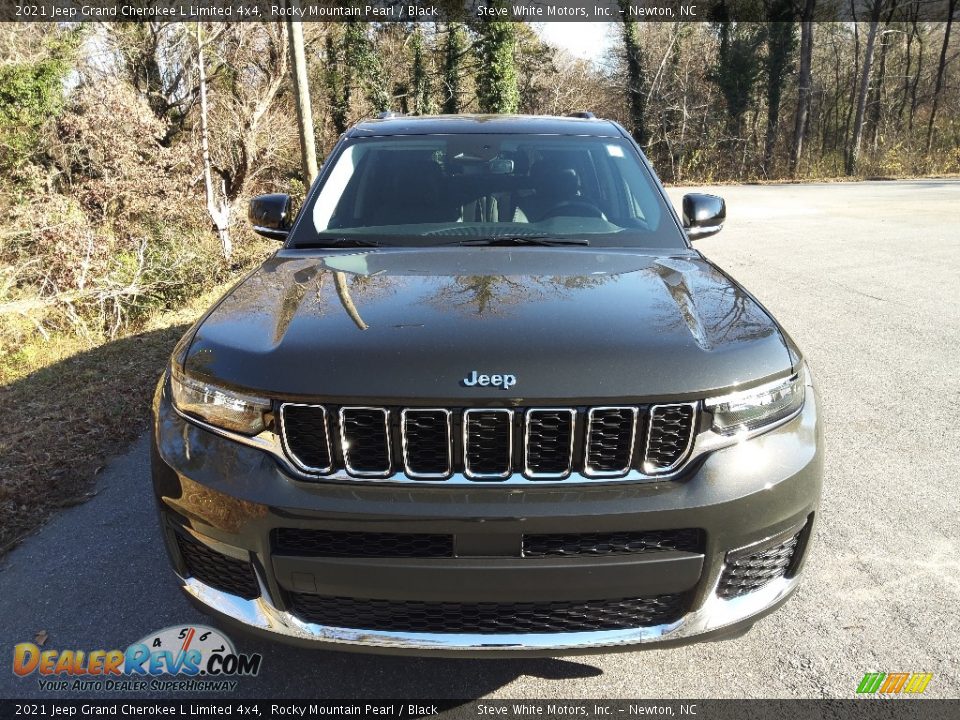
(198, 658)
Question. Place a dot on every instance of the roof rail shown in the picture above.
(585, 114)
(385, 115)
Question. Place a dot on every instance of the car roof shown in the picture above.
(484, 124)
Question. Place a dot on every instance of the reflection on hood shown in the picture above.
(413, 322)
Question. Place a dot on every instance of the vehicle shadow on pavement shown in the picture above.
(298, 672)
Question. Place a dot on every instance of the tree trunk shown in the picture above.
(908, 60)
(636, 99)
(875, 100)
(940, 70)
(219, 213)
(853, 154)
(452, 68)
(804, 83)
(301, 88)
(780, 46)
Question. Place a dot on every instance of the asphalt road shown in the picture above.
(866, 277)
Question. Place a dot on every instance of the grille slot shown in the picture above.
(609, 441)
(426, 443)
(218, 570)
(489, 617)
(753, 567)
(365, 441)
(335, 543)
(615, 543)
(306, 436)
(548, 443)
(488, 443)
(669, 437)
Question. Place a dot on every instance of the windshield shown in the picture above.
(451, 189)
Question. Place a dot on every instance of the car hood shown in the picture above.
(412, 324)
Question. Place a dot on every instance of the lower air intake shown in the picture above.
(750, 569)
(218, 570)
(489, 617)
(614, 543)
(337, 543)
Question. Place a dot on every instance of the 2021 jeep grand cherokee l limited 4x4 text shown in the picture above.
(487, 399)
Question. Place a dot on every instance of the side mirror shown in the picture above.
(270, 215)
(703, 215)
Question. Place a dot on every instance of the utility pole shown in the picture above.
(301, 89)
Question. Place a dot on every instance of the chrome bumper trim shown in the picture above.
(715, 614)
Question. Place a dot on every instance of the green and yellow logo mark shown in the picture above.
(893, 683)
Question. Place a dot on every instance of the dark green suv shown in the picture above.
(487, 399)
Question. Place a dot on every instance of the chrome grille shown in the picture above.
(306, 436)
(548, 443)
(669, 436)
(365, 441)
(609, 443)
(426, 443)
(487, 444)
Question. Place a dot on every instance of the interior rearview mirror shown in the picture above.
(703, 215)
(270, 215)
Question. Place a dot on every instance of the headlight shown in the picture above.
(217, 405)
(759, 406)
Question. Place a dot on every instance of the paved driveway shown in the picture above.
(866, 277)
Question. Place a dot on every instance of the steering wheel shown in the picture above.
(575, 208)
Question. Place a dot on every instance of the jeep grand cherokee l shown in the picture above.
(487, 399)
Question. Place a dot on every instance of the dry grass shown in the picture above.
(71, 404)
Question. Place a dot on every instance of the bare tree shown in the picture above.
(853, 152)
(804, 83)
(941, 67)
(219, 210)
(253, 59)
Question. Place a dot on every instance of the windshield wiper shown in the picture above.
(509, 240)
(340, 242)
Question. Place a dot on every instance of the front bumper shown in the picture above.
(231, 499)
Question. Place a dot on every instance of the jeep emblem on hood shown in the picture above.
(502, 381)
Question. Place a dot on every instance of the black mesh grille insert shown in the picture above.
(753, 568)
(366, 444)
(330, 543)
(549, 441)
(489, 617)
(610, 440)
(305, 429)
(671, 427)
(217, 570)
(488, 442)
(687, 540)
(426, 443)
